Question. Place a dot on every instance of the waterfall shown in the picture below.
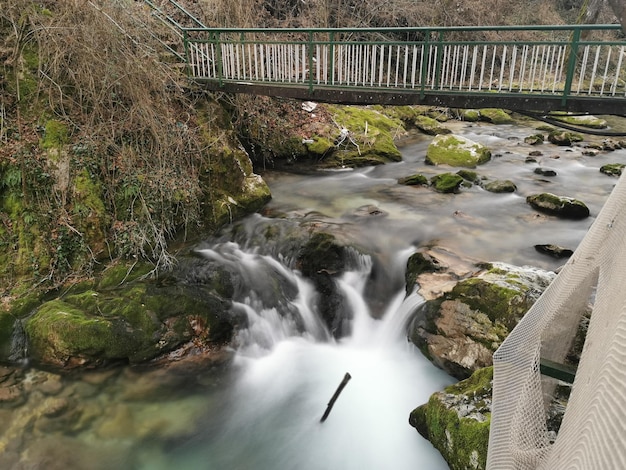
(289, 366)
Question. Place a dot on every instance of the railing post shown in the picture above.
(187, 54)
(215, 37)
(571, 66)
(310, 57)
(425, 56)
(439, 61)
(331, 52)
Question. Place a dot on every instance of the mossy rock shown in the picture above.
(470, 115)
(7, 325)
(587, 120)
(446, 182)
(430, 126)
(414, 180)
(470, 176)
(457, 420)
(564, 138)
(455, 150)
(417, 264)
(612, 169)
(534, 139)
(561, 206)
(460, 330)
(132, 324)
(496, 116)
(500, 186)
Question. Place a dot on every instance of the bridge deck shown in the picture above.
(540, 68)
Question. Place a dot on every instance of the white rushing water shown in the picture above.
(287, 377)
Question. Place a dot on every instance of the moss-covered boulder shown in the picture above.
(446, 183)
(564, 138)
(587, 120)
(456, 421)
(500, 186)
(460, 329)
(470, 115)
(455, 150)
(469, 176)
(560, 206)
(134, 323)
(496, 116)
(612, 169)
(417, 179)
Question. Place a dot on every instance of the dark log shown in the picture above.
(344, 382)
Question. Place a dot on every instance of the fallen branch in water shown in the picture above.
(344, 382)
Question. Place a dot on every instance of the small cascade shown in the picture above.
(19, 345)
(289, 365)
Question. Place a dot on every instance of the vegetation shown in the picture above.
(104, 152)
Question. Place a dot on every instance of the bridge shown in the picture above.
(577, 68)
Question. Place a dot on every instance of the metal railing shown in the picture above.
(564, 61)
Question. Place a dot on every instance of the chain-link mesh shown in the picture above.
(593, 432)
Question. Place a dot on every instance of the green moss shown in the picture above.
(456, 151)
(320, 146)
(118, 274)
(7, 323)
(56, 135)
(499, 303)
(469, 175)
(446, 182)
(496, 116)
(414, 180)
(470, 115)
(462, 441)
(612, 169)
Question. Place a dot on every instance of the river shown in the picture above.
(262, 411)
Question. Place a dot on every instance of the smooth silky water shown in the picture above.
(262, 410)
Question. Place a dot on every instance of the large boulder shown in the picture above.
(132, 323)
(459, 329)
(457, 151)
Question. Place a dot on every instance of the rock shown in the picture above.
(554, 250)
(564, 138)
(470, 115)
(495, 116)
(134, 323)
(534, 139)
(456, 421)
(560, 206)
(587, 120)
(455, 150)
(612, 169)
(414, 180)
(322, 259)
(469, 175)
(446, 183)
(544, 171)
(429, 125)
(500, 186)
(460, 330)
